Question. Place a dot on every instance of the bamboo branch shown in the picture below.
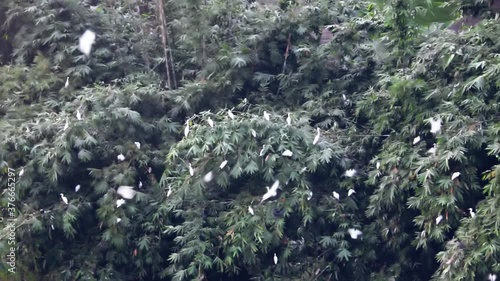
(164, 38)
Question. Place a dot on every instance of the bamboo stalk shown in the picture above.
(161, 15)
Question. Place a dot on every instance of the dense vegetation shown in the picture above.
(377, 90)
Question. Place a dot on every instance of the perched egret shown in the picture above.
(433, 150)
(435, 125)
(210, 122)
(336, 195)
(223, 164)
(378, 165)
(140, 184)
(344, 97)
(191, 170)
(267, 116)
(66, 125)
(351, 192)
(169, 192)
(310, 195)
(271, 192)
(355, 233)
(86, 41)
(150, 170)
(120, 202)
(120, 157)
(350, 173)
(261, 153)
(77, 188)
(275, 258)
(137, 144)
(67, 82)
(230, 114)
(455, 175)
(316, 138)
(208, 177)
(254, 134)
(78, 114)
(186, 130)
(492, 277)
(64, 199)
(416, 140)
(118, 220)
(439, 219)
(250, 210)
(472, 214)
(52, 226)
(21, 173)
(126, 192)
(287, 153)
(289, 119)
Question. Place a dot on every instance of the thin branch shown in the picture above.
(161, 15)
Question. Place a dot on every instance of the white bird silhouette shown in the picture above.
(310, 195)
(208, 177)
(261, 153)
(254, 134)
(150, 170)
(191, 170)
(455, 175)
(378, 165)
(120, 202)
(120, 157)
(492, 277)
(287, 153)
(266, 116)
(169, 192)
(21, 173)
(118, 220)
(64, 199)
(86, 41)
(66, 125)
(354, 233)
(316, 138)
(416, 140)
(275, 258)
(67, 82)
(351, 192)
(344, 97)
(52, 226)
(435, 125)
(223, 164)
(77, 188)
(78, 115)
(289, 119)
(336, 195)
(140, 184)
(271, 192)
(137, 144)
(350, 173)
(230, 114)
(472, 214)
(439, 219)
(210, 122)
(250, 210)
(126, 192)
(186, 130)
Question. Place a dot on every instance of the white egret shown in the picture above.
(492, 277)
(223, 164)
(120, 202)
(435, 125)
(289, 119)
(261, 153)
(336, 195)
(439, 219)
(316, 138)
(67, 82)
(433, 150)
(350, 173)
(140, 184)
(416, 140)
(21, 173)
(378, 165)
(78, 115)
(230, 114)
(52, 226)
(208, 177)
(120, 157)
(350, 192)
(86, 41)
(271, 192)
(64, 199)
(169, 192)
(150, 170)
(310, 195)
(126, 192)
(355, 233)
(275, 258)
(118, 220)
(186, 130)
(77, 188)
(210, 122)
(66, 125)
(266, 116)
(472, 214)
(287, 153)
(250, 210)
(191, 170)
(137, 144)
(455, 175)
(254, 134)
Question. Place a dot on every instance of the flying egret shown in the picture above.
(169, 192)
(126, 192)
(472, 214)
(77, 188)
(120, 157)
(223, 164)
(351, 192)
(186, 130)
(250, 210)
(439, 219)
(350, 173)
(378, 165)
(435, 125)
(78, 115)
(275, 258)
(355, 233)
(67, 82)
(271, 192)
(287, 153)
(266, 116)
(66, 125)
(120, 202)
(86, 41)
(208, 177)
(137, 144)
(455, 175)
(64, 199)
(316, 138)
(230, 114)
(309, 195)
(210, 122)
(336, 195)
(289, 119)
(254, 134)
(191, 170)
(416, 140)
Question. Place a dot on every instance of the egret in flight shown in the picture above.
(271, 192)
